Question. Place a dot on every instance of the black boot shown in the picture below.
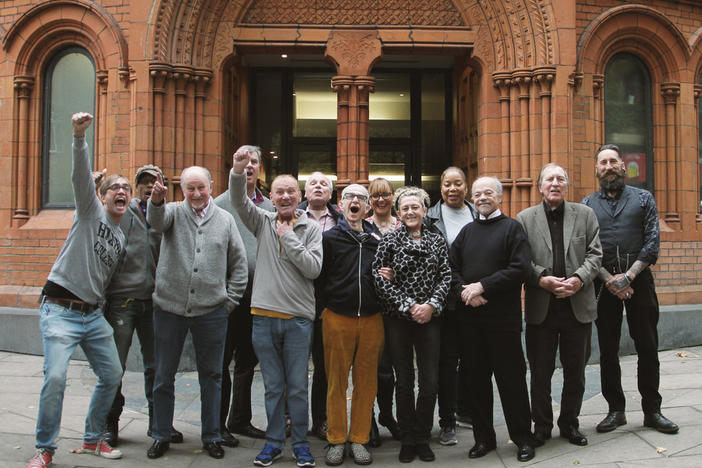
(111, 434)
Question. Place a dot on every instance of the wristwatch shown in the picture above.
(628, 278)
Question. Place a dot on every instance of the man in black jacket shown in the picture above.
(352, 325)
(630, 239)
(490, 259)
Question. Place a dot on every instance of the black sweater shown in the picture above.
(496, 253)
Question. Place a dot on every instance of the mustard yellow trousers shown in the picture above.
(351, 342)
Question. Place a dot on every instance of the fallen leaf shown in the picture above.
(681, 354)
(576, 462)
(197, 451)
(661, 449)
(17, 447)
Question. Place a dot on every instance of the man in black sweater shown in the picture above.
(490, 260)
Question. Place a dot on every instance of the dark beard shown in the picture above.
(615, 185)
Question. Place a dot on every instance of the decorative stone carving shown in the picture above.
(353, 52)
(670, 92)
(597, 85)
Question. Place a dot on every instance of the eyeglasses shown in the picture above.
(351, 196)
(375, 196)
(126, 187)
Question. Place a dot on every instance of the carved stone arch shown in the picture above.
(696, 56)
(83, 21)
(514, 33)
(639, 29)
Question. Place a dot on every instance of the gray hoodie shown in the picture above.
(285, 266)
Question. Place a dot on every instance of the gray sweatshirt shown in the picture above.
(94, 243)
(285, 266)
(135, 273)
(200, 268)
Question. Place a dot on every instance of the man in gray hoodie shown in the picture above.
(70, 313)
(129, 307)
(282, 302)
(201, 276)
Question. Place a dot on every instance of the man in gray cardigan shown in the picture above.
(282, 302)
(201, 276)
(238, 344)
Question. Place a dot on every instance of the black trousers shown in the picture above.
(405, 338)
(238, 346)
(448, 368)
(561, 330)
(642, 317)
(488, 351)
(386, 380)
(318, 400)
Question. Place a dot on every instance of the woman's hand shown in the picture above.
(421, 313)
(387, 273)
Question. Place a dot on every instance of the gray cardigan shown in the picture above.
(285, 266)
(201, 268)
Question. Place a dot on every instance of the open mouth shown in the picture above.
(354, 209)
(121, 202)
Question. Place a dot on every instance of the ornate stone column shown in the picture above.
(23, 91)
(598, 106)
(101, 127)
(353, 53)
(669, 168)
(697, 90)
(502, 81)
(159, 75)
(544, 76)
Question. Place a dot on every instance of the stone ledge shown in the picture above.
(679, 326)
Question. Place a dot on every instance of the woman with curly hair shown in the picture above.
(413, 301)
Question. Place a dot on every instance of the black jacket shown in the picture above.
(346, 284)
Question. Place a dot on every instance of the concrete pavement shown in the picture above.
(631, 445)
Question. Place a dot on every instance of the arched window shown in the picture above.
(628, 116)
(69, 87)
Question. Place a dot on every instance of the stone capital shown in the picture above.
(353, 52)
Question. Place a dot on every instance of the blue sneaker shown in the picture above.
(303, 455)
(269, 453)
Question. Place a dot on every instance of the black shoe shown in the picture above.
(228, 439)
(424, 452)
(525, 452)
(374, 437)
(214, 449)
(541, 436)
(111, 434)
(613, 420)
(480, 449)
(248, 430)
(157, 449)
(660, 423)
(176, 436)
(407, 453)
(319, 430)
(390, 424)
(573, 435)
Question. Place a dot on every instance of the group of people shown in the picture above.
(271, 281)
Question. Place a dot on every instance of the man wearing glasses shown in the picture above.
(351, 324)
(70, 312)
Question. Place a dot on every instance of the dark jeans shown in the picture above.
(319, 377)
(642, 318)
(489, 351)
(404, 339)
(561, 330)
(209, 333)
(448, 368)
(238, 346)
(126, 315)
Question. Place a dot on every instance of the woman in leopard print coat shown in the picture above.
(413, 301)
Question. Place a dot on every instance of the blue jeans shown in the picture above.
(209, 333)
(61, 331)
(283, 348)
(126, 315)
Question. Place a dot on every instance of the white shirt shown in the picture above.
(454, 220)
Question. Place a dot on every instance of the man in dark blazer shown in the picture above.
(560, 300)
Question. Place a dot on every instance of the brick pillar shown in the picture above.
(353, 54)
(669, 169)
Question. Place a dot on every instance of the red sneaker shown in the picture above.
(41, 459)
(102, 449)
